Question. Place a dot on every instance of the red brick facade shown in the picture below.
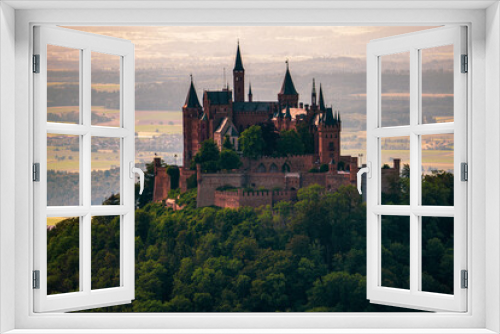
(239, 198)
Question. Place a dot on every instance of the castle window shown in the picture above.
(285, 168)
(261, 168)
(273, 168)
(330, 146)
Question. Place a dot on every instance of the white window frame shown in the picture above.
(484, 212)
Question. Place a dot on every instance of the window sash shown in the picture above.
(414, 297)
(85, 298)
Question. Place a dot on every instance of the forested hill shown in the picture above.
(303, 256)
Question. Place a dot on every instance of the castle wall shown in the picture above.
(390, 176)
(237, 199)
(184, 174)
(297, 163)
(208, 183)
(266, 180)
(245, 119)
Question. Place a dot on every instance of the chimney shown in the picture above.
(301, 105)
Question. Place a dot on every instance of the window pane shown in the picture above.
(63, 254)
(105, 171)
(437, 169)
(105, 89)
(63, 84)
(395, 87)
(63, 170)
(437, 254)
(437, 84)
(396, 252)
(105, 252)
(395, 170)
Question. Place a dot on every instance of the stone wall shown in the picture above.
(296, 163)
(237, 199)
(162, 181)
(184, 174)
(208, 183)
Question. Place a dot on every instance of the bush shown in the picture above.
(324, 168)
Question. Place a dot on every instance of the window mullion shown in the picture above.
(86, 180)
(414, 171)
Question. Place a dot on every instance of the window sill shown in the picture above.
(251, 331)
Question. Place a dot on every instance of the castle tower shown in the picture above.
(239, 77)
(191, 114)
(288, 94)
(329, 138)
(250, 95)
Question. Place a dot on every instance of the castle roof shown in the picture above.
(250, 88)
(227, 127)
(293, 113)
(329, 119)
(288, 88)
(258, 106)
(222, 97)
(192, 98)
(238, 64)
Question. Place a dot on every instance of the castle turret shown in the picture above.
(192, 112)
(239, 77)
(250, 95)
(329, 138)
(288, 94)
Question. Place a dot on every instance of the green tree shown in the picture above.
(252, 143)
(306, 137)
(270, 137)
(173, 172)
(229, 159)
(289, 143)
(208, 157)
(227, 143)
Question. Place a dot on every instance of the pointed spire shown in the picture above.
(329, 119)
(250, 95)
(288, 88)
(313, 93)
(192, 98)
(238, 64)
(321, 99)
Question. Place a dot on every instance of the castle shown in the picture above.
(225, 114)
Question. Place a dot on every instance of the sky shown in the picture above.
(179, 48)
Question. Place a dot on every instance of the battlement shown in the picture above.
(240, 198)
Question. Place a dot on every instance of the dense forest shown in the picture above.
(304, 256)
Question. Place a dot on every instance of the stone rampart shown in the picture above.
(240, 198)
